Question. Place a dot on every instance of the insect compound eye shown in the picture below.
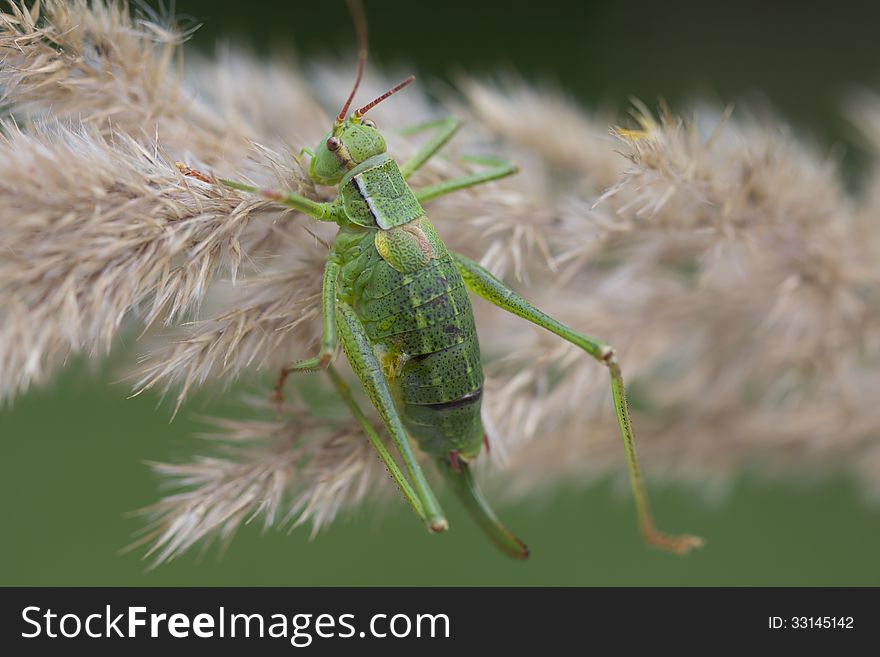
(333, 144)
(369, 123)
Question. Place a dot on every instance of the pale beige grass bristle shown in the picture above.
(720, 254)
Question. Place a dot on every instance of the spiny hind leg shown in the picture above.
(484, 284)
(366, 365)
(394, 470)
(496, 168)
(328, 332)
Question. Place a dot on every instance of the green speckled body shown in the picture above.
(395, 298)
(407, 291)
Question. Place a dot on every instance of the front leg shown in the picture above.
(328, 331)
(484, 284)
(314, 209)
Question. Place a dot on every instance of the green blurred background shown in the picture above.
(72, 453)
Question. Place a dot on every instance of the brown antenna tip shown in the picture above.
(363, 110)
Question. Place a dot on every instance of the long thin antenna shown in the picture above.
(363, 110)
(356, 7)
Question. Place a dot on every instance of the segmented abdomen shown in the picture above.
(423, 325)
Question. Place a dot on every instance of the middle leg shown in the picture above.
(495, 168)
(445, 130)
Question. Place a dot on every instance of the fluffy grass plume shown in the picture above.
(720, 254)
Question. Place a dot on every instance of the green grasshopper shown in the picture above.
(397, 300)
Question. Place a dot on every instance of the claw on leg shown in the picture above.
(193, 173)
(278, 391)
(680, 545)
(320, 362)
(438, 526)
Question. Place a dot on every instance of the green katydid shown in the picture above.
(397, 301)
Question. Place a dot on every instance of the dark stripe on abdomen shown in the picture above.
(448, 426)
(469, 398)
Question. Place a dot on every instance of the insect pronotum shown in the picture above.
(396, 299)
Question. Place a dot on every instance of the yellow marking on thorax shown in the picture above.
(406, 248)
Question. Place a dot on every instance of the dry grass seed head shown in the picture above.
(719, 253)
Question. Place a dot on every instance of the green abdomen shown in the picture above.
(422, 325)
